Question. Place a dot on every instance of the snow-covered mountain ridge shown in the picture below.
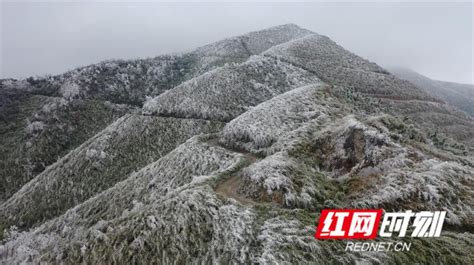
(227, 154)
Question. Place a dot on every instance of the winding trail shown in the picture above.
(229, 189)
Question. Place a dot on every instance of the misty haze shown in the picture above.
(434, 39)
(236, 133)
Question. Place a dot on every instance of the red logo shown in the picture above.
(348, 224)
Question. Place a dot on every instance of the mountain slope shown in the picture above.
(128, 144)
(173, 201)
(63, 111)
(359, 79)
(78, 176)
(238, 161)
(337, 66)
(226, 92)
(36, 130)
(458, 95)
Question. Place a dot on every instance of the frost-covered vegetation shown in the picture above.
(442, 120)
(265, 128)
(233, 163)
(128, 144)
(238, 49)
(36, 130)
(310, 147)
(131, 81)
(43, 118)
(459, 95)
(337, 66)
(226, 92)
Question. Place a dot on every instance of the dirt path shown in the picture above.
(229, 188)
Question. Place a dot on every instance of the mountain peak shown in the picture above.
(254, 42)
(287, 26)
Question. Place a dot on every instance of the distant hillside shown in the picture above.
(458, 95)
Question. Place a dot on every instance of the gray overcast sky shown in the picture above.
(434, 39)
